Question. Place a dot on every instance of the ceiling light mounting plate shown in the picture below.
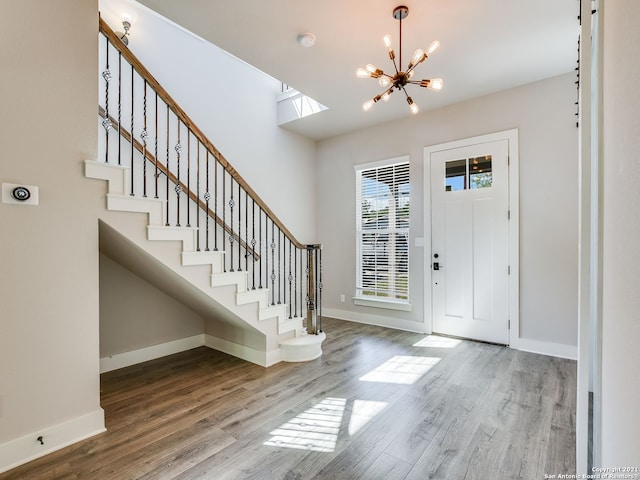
(400, 12)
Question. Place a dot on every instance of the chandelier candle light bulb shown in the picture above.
(401, 78)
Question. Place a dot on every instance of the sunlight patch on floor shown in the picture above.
(316, 429)
(401, 369)
(438, 342)
(363, 412)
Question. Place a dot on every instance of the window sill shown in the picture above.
(379, 303)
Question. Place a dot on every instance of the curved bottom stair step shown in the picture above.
(303, 348)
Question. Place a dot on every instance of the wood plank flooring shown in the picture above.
(379, 404)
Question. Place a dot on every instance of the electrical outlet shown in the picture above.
(342, 298)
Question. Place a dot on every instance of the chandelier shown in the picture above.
(401, 78)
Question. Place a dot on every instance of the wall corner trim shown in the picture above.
(26, 448)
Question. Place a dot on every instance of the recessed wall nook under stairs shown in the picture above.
(204, 223)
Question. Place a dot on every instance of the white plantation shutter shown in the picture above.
(382, 230)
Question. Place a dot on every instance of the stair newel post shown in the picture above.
(311, 289)
(319, 254)
(301, 252)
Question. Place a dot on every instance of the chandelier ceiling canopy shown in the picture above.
(400, 78)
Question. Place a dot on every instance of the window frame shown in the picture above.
(389, 299)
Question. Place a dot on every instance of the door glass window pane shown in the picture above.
(455, 175)
(480, 173)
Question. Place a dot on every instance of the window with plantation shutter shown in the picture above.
(382, 231)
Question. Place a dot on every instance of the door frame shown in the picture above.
(514, 226)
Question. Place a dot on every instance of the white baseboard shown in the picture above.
(24, 449)
(259, 357)
(546, 348)
(378, 320)
(524, 344)
(126, 359)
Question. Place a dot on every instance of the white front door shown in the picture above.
(470, 240)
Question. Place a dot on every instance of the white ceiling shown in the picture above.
(486, 46)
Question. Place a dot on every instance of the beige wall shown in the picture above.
(49, 253)
(621, 233)
(548, 139)
(134, 314)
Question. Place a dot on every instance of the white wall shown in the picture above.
(548, 139)
(621, 234)
(134, 314)
(49, 381)
(235, 106)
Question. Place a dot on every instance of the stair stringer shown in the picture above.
(175, 248)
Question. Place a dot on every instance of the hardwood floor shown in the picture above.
(379, 404)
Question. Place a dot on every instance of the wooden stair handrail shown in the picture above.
(148, 156)
(190, 124)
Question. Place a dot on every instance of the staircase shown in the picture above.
(202, 220)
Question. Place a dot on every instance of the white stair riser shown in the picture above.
(118, 181)
(187, 235)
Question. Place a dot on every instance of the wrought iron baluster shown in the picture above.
(188, 175)
(155, 148)
(303, 283)
(261, 243)
(231, 205)
(168, 170)
(280, 267)
(253, 243)
(198, 197)
(273, 272)
(106, 123)
(215, 203)
(290, 277)
(119, 108)
(295, 282)
(224, 218)
(207, 197)
(178, 187)
(131, 131)
(144, 137)
(239, 228)
(246, 231)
